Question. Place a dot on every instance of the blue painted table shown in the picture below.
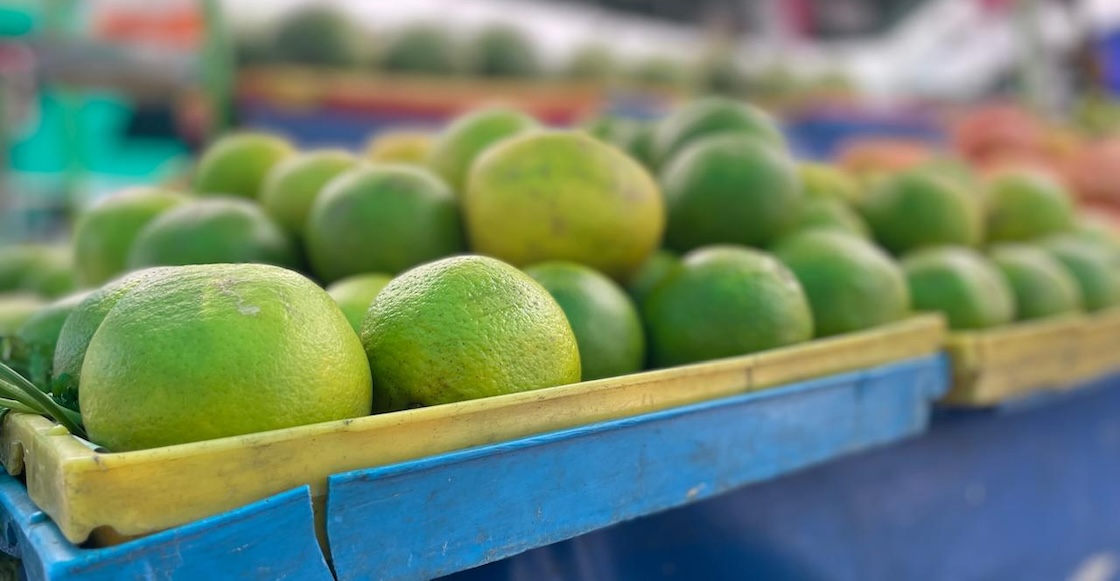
(1024, 493)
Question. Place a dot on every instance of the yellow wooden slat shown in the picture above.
(1099, 346)
(1005, 363)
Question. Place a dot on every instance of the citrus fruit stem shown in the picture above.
(14, 386)
(15, 406)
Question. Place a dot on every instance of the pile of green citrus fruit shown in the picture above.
(496, 256)
(990, 251)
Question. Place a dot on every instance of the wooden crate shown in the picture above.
(1098, 350)
(140, 492)
(993, 366)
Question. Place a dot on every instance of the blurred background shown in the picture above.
(101, 94)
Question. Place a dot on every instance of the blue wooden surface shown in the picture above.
(271, 539)
(822, 135)
(352, 129)
(442, 514)
(1024, 493)
(1108, 48)
(324, 128)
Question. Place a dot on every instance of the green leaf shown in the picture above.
(11, 405)
(16, 387)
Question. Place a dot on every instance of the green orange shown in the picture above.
(354, 294)
(318, 35)
(421, 48)
(1042, 286)
(918, 208)
(830, 182)
(653, 271)
(291, 186)
(1025, 205)
(36, 268)
(636, 138)
(212, 231)
(218, 350)
(463, 328)
(399, 147)
(37, 336)
(78, 329)
(830, 214)
(104, 234)
(501, 50)
(1091, 265)
(633, 136)
(1099, 229)
(851, 284)
(51, 274)
(711, 116)
(606, 324)
(729, 189)
(962, 284)
(381, 218)
(14, 264)
(15, 309)
(725, 301)
(456, 148)
(563, 195)
(236, 164)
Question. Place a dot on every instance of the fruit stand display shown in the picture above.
(450, 348)
(84, 489)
